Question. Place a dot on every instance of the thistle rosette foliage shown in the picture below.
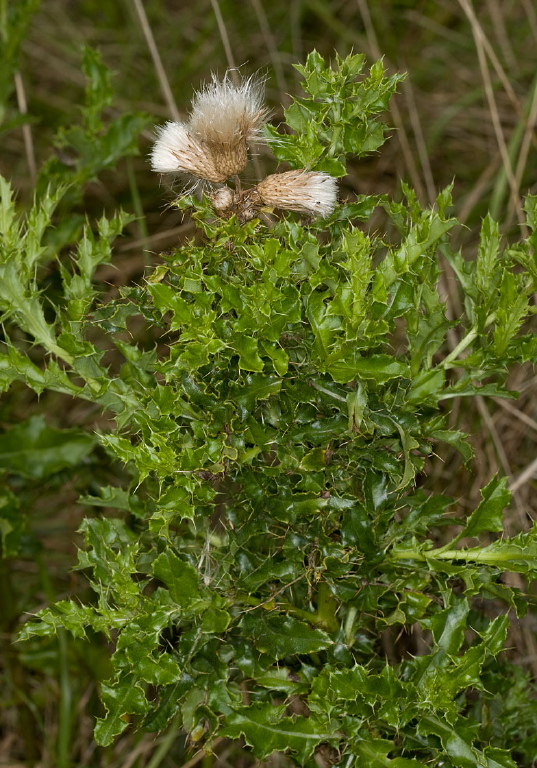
(273, 530)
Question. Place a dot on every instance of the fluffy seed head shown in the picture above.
(310, 192)
(226, 117)
(178, 150)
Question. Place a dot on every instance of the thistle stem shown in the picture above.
(465, 342)
(468, 555)
(326, 608)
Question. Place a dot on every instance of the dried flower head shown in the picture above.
(310, 192)
(177, 150)
(213, 145)
(225, 118)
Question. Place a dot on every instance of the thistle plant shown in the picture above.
(277, 534)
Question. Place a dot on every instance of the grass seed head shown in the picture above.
(311, 192)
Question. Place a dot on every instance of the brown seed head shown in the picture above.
(225, 118)
(176, 150)
(310, 192)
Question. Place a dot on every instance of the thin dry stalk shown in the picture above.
(225, 40)
(420, 139)
(296, 36)
(145, 746)
(527, 138)
(479, 33)
(495, 11)
(524, 477)
(169, 234)
(531, 13)
(478, 190)
(506, 405)
(439, 30)
(83, 743)
(531, 645)
(528, 386)
(271, 47)
(157, 61)
(494, 114)
(26, 128)
(394, 109)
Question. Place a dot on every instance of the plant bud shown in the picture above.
(222, 199)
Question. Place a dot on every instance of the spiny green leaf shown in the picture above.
(488, 515)
(282, 636)
(448, 625)
(380, 368)
(374, 754)
(120, 700)
(487, 257)
(457, 440)
(460, 751)
(33, 449)
(181, 578)
(267, 731)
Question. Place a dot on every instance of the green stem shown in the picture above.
(15, 674)
(65, 713)
(332, 149)
(139, 209)
(282, 605)
(465, 342)
(61, 353)
(42, 334)
(327, 606)
(352, 612)
(468, 555)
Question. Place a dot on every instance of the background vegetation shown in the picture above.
(466, 112)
